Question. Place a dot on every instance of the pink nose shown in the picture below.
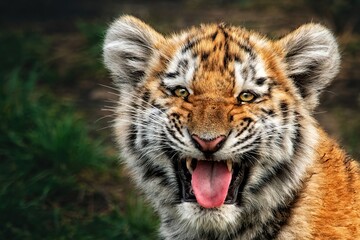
(208, 146)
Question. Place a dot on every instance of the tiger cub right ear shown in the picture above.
(128, 48)
(312, 58)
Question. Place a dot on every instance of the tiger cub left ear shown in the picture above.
(128, 49)
(312, 58)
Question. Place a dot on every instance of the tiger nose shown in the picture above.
(208, 146)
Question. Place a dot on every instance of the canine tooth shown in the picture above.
(188, 165)
(229, 165)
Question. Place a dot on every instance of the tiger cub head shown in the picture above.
(214, 123)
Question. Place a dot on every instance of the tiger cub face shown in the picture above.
(215, 123)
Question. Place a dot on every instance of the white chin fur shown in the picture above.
(222, 218)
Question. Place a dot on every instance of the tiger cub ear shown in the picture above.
(312, 59)
(128, 48)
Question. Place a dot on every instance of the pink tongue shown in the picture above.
(210, 182)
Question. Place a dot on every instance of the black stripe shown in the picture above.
(191, 44)
(297, 139)
(244, 47)
(252, 71)
(271, 132)
(172, 133)
(183, 65)
(170, 153)
(214, 36)
(136, 76)
(248, 121)
(227, 57)
(144, 141)
(151, 172)
(161, 108)
(179, 129)
(131, 137)
(244, 149)
(281, 171)
(204, 56)
(284, 107)
(146, 96)
(269, 112)
(271, 228)
(173, 157)
(244, 139)
(281, 215)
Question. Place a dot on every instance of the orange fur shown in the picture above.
(328, 206)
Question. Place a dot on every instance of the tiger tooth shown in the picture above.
(188, 165)
(229, 165)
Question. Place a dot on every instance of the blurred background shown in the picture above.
(59, 171)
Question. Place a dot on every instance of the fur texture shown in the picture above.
(296, 182)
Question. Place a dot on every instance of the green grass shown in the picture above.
(49, 167)
(26, 50)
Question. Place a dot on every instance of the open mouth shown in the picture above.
(210, 183)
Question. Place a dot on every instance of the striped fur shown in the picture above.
(298, 182)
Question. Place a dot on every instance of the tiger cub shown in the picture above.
(215, 126)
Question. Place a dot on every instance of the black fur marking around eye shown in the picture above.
(172, 74)
(260, 81)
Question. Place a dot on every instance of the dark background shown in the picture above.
(59, 171)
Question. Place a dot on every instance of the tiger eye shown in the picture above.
(246, 97)
(181, 92)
